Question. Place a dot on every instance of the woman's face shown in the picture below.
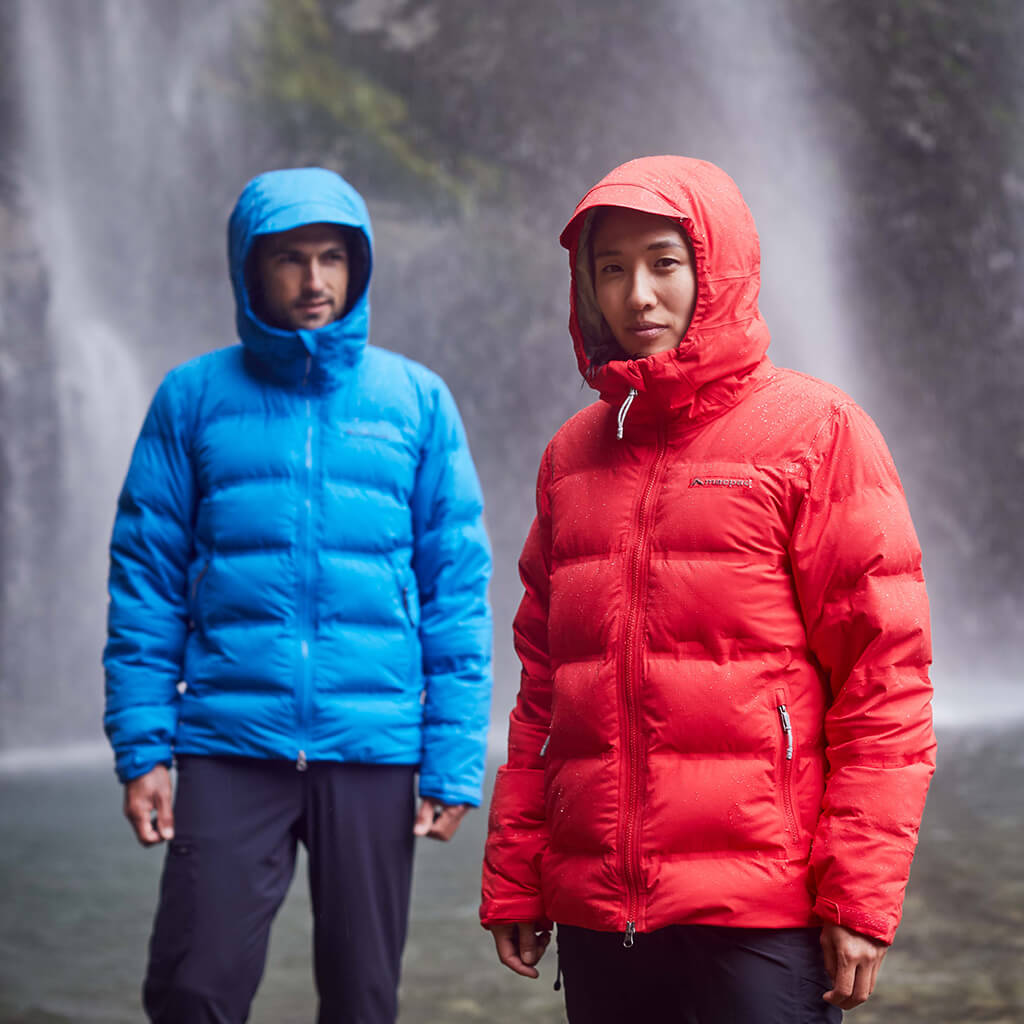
(644, 279)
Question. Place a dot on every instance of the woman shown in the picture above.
(720, 750)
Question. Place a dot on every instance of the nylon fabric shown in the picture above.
(300, 542)
(724, 715)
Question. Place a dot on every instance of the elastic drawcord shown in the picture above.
(623, 410)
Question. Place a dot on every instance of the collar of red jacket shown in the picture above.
(727, 337)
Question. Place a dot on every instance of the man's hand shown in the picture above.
(852, 961)
(145, 796)
(520, 945)
(436, 820)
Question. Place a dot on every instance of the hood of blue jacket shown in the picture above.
(279, 201)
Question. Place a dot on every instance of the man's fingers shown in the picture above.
(138, 813)
(145, 796)
(438, 821)
(164, 813)
(447, 823)
(424, 818)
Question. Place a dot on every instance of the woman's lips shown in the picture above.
(645, 330)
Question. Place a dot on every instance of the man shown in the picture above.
(719, 755)
(298, 620)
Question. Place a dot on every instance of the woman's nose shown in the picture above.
(641, 292)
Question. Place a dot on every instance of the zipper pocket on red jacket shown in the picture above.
(789, 746)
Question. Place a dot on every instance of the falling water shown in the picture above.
(105, 113)
(758, 121)
(130, 156)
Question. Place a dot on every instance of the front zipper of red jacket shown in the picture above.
(633, 665)
(307, 568)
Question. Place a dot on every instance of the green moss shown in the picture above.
(303, 70)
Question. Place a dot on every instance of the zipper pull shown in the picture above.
(627, 941)
(544, 748)
(787, 728)
(300, 764)
(622, 412)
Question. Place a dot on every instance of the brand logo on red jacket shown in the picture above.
(721, 481)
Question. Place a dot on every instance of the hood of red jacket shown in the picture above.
(727, 338)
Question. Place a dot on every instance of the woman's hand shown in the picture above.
(520, 945)
(852, 961)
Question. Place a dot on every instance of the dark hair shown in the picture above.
(599, 343)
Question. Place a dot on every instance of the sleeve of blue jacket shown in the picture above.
(147, 621)
(452, 560)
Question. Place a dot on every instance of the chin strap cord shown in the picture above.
(622, 412)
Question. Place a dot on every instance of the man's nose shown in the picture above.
(314, 277)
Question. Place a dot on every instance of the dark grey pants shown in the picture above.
(237, 825)
(696, 974)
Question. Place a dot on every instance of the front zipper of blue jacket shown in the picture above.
(632, 675)
(307, 577)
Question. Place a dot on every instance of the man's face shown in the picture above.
(644, 279)
(303, 276)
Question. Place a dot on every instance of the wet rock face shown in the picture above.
(29, 487)
(23, 282)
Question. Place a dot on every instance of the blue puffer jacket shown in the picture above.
(299, 565)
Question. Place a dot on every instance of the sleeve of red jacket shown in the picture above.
(857, 566)
(517, 830)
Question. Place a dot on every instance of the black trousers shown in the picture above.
(696, 974)
(227, 870)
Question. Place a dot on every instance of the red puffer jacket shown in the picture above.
(725, 710)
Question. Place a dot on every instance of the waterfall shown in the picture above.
(112, 107)
(98, 384)
(134, 133)
(759, 122)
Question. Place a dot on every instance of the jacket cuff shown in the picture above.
(133, 764)
(433, 788)
(513, 913)
(875, 926)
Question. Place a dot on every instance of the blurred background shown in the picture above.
(880, 146)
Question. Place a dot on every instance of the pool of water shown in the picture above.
(77, 895)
